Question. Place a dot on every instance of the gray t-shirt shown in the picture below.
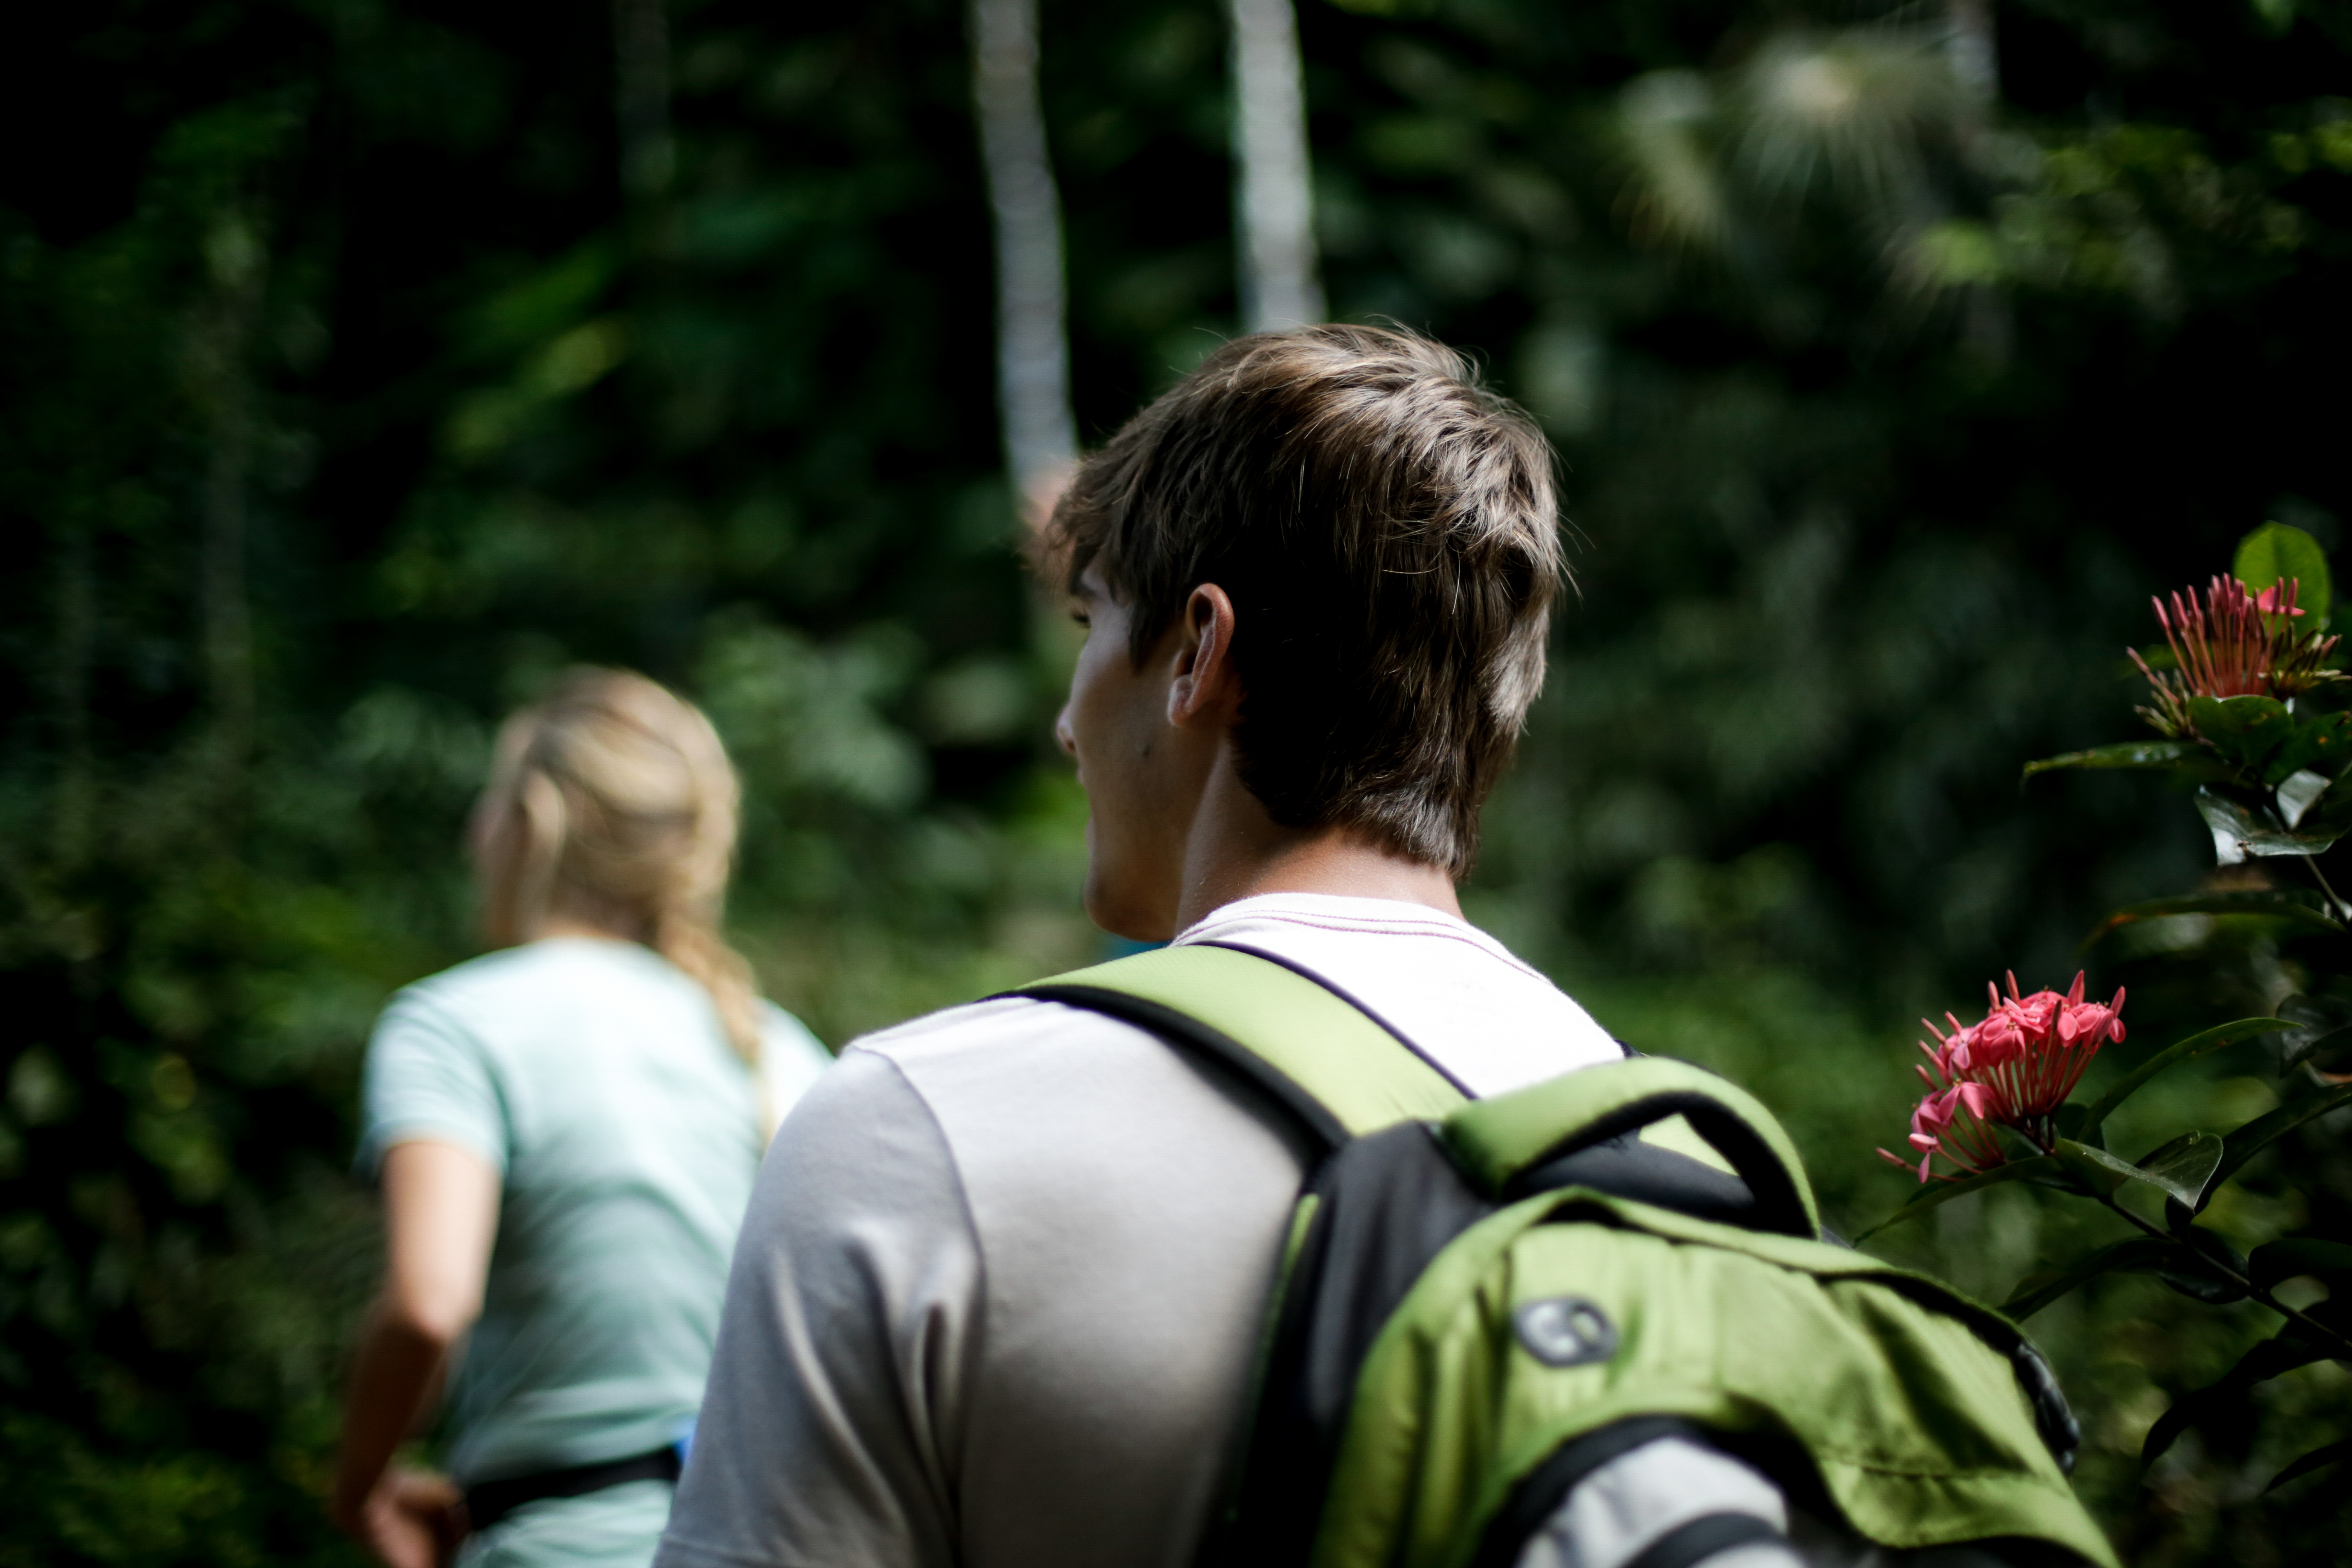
(594, 1077)
(997, 1294)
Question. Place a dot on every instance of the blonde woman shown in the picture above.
(565, 1133)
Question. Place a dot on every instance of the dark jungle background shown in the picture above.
(350, 390)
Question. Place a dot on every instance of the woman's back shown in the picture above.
(594, 1078)
(566, 1133)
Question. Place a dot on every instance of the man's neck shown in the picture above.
(1237, 851)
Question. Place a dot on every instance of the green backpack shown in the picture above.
(1482, 1301)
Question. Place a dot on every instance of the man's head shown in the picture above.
(1384, 533)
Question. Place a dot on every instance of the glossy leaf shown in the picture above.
(2295, 1254)
(2292, 905)
(2203, 1043)
(2037, 1290)
(2179, 1169)
(2330, 815)
(2093, 1169)
(2183, 757)
(2240, 831)
(2183, 1166)
(2270, 1359)
(2317, 1013)
(2315, 1018)
(2243, 729)
(2263, 1131)
(2039, 1167)
(2318, 1046)
(2203, 1267)
(2322, 739)
(2317, 1459)
(2297, 787)
(2276, 551)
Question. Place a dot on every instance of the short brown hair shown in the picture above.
(1387, 530)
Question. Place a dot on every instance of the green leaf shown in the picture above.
(2244, 730)
(2329, 816)
(2180, 1168)
(2183, 1166)
(2318, 1045)
(2317, 1459)
(2318, 1021)
(2303, 909)
(2095, 1170)
(2240, 831)
(2040, 1168)
(2184, 757)
(2285, 1258)
(2267, 1360)
(2037, 1290)
(2203, 1043)
(2265, 1131)
(2203, 1266)
(2276, 551)
(2317, 737)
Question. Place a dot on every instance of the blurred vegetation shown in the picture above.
(358, 374)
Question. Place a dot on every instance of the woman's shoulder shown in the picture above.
(790, 1057)
(554, 973)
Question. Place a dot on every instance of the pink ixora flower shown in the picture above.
(2014, 1068)
(2235, 643)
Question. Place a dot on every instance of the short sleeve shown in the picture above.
(790, 1059)
(428, 1078)
(830, 1435)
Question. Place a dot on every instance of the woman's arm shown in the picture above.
(441, 1213)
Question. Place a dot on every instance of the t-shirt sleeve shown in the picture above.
(831, 1432)
(428, 1077)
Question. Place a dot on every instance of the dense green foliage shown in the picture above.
(350, 390)
(2250, 706)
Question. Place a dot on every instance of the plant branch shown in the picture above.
(2333, 896)
(2254, 1293)
(2211, 1264)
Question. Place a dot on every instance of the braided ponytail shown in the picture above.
(612, 804)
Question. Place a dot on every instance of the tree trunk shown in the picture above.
(1987, 326)
(221, 342)
(1974, 61)
(1275, 209)
(1033, 353)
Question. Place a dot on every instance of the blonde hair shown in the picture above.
(612, 802)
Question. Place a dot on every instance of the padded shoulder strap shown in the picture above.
(1343, 1071)
(1498, 1140)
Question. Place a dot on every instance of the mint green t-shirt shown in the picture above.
(594, 1075)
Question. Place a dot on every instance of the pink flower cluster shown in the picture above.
(2015, 1069)
(2236, 643)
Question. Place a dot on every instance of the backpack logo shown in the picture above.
(1565, 1331)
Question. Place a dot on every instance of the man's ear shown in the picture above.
(1206, 684)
